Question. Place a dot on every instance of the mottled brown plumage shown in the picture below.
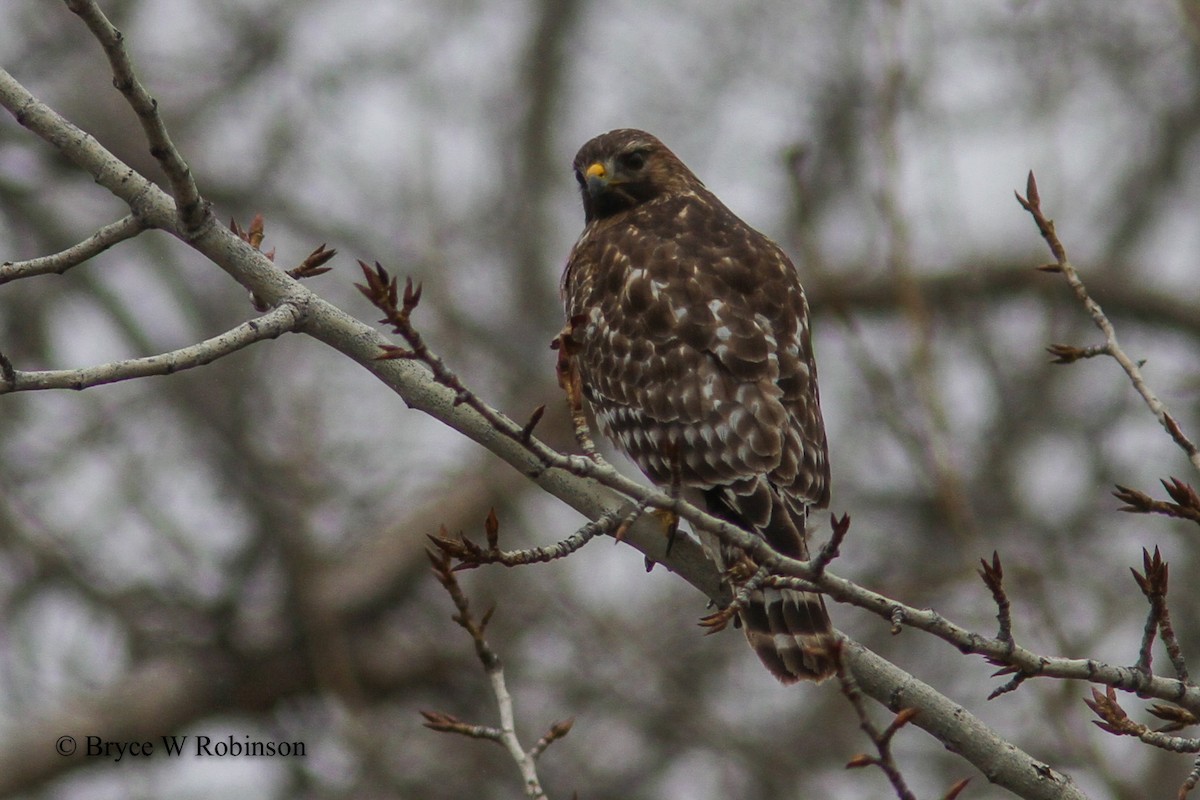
(690, 333)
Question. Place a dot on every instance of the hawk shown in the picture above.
(689, 330)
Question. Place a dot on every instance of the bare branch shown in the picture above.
(1032, 203)
(183, 188)
(1017, 660)
(125, 228)
(271, 325)
(472, 555)
(882, 740)
(147, 202)
(506, 734)
(961, 731)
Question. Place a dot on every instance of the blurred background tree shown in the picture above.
(239, 549)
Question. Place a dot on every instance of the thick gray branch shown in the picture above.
(958, 729)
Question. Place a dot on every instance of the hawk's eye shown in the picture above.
(633, 161)
(579, 178)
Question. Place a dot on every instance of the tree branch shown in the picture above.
(958, 729)
(1033, 204)
(506, 734)
(125, 228)
(280, 320)
(183, 188)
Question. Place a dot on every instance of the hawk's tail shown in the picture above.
(791, 633)
(789, 629)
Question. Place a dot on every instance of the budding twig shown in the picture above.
(1153, 583)
(505, 734)
(830, 550)
(881, 739)
(471, 555)
(993, 577)
(1114, 720)
(1186, 505)
(311, 266)
(1032, 202)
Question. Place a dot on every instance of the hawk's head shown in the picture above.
(623, 168)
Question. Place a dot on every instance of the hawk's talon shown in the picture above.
(669, 521)
(719, 620)
(740, 571)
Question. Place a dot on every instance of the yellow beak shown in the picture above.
(599, 178)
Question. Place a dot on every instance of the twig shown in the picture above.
(506, 734)
(993, 577)
(278, 321)
(312, 265)
(1153, 582)
(958, 728)
(831, 549)
(1018, 678)
(882, 740)
(188, 202)
(1186, 505)
(1114, 720)
(1033, 204)
(471, 555)
(1069, 354)
(125, 228)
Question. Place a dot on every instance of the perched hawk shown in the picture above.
(690, 334)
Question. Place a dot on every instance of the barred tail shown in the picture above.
(791, 633)
(788, 629)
